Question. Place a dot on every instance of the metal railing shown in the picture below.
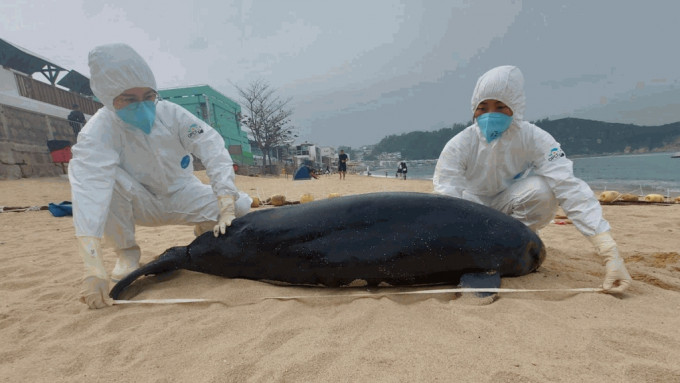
(37, 90)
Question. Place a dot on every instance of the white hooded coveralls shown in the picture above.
(523, 173)
(120, 176)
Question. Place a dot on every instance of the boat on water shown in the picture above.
(675, 155)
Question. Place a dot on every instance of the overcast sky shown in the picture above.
(359, 70)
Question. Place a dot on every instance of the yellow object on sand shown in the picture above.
(306, 198)
(608, 196)
(278, 200)
(654, 198)
(334, 195)
(628, 197)
(256, 202)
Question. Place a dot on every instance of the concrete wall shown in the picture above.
(25, 126)
(23, 142)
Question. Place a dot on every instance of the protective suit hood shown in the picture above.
(115, 68)
(503, 83)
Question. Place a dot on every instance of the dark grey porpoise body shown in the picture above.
(402, 239)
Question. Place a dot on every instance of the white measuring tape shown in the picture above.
(159, 301)
(445, 291)
(373, 295)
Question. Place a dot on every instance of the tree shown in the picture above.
(267, 116)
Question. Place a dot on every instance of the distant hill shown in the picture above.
(588, 137)
(578, 137)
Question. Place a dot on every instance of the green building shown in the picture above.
(218, 111)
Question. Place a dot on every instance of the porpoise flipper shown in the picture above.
(481, 280)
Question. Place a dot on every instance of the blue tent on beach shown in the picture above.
(302, 173)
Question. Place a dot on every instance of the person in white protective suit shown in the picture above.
(132, 165)
(513, 166)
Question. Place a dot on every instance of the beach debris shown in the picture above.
(61, 209)
(628, 197)
(256, 202)
(612, 197)
(21, 209)
(654, 198)
(562, 220)
(277, 200)
(677, 199)
(306, 198)
(334, 195)
(608, 196)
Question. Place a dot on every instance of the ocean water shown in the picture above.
(635, 173)
(639, 173)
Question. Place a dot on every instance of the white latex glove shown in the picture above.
(227, 214)
(617, 278)
(95, 285)
(95, 293)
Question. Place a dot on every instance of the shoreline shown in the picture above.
(597, 187)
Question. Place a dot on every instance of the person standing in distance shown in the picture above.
(342, 164)
(404, 169)
(517, 168)
(76, 119)
(132, 165)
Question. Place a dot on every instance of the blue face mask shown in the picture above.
(139, 114)
(493, 125)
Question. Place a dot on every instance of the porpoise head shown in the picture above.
(526, 260)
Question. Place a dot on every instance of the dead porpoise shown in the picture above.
(393, 238)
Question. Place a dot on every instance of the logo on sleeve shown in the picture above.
(194, 130)
(555, 153)
(186, 160)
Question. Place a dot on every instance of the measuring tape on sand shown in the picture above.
(160, 301)
(445, 291)
(374, 295)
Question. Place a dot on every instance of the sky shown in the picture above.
(359, 70)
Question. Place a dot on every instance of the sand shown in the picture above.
(46, 335)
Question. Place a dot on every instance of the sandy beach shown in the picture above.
(49, 336)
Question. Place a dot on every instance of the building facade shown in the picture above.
(218, 111)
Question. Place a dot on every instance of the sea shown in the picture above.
(639, 174)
